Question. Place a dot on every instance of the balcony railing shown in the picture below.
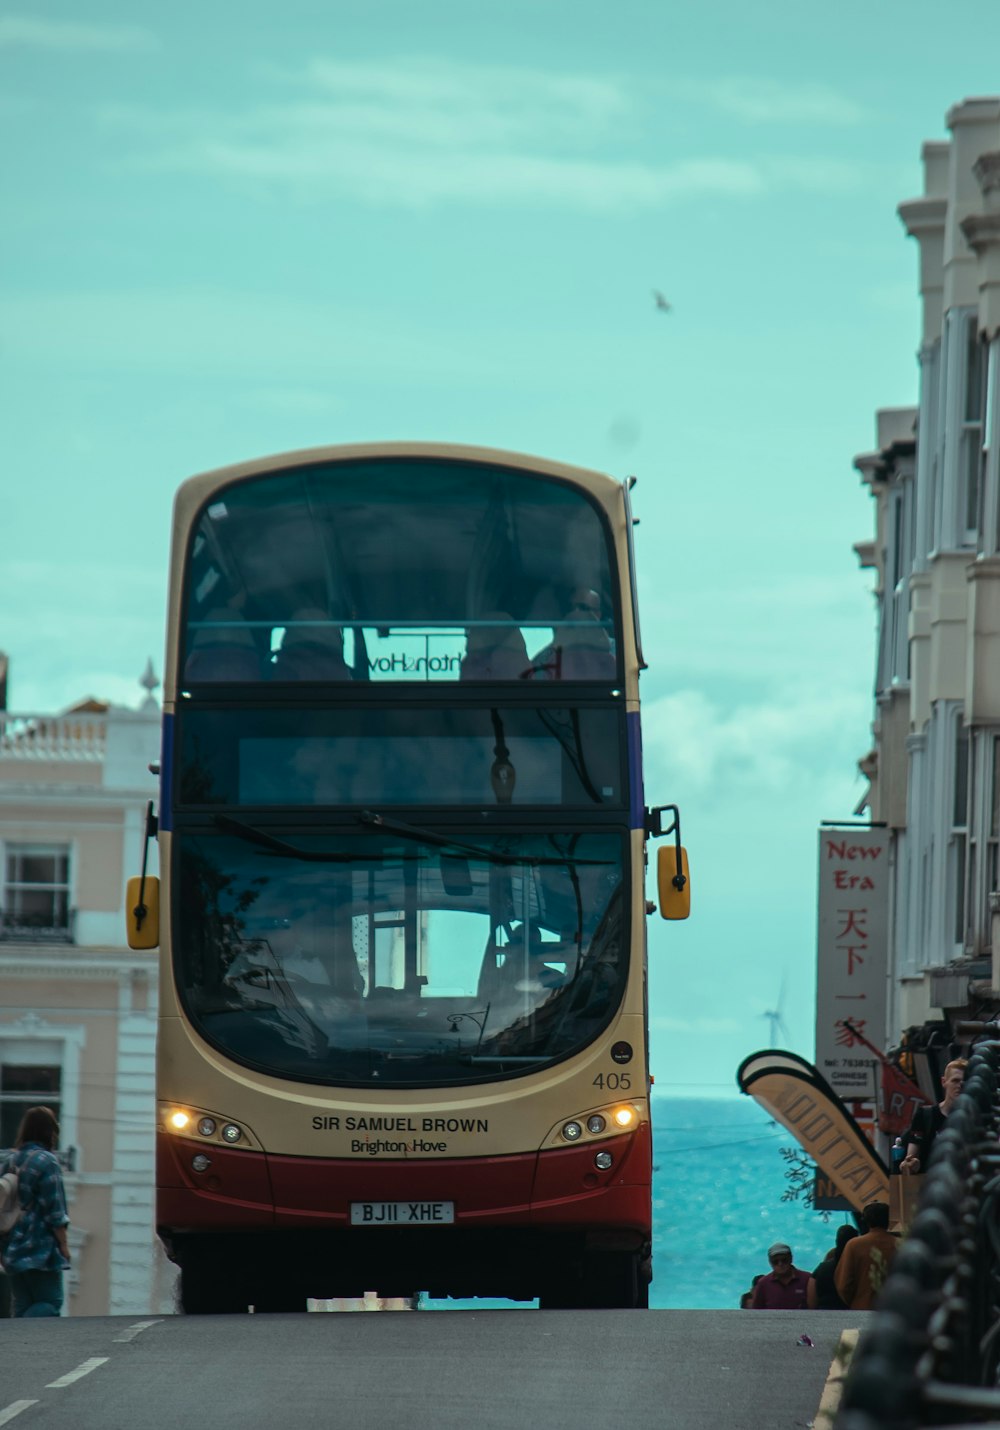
(15, 930)
(77, 736)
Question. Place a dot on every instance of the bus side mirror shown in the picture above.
(142, 912)
(673, 887)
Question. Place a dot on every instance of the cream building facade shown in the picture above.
(934, 476)
(77, 1008)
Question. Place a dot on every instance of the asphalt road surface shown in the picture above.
(448, 1370)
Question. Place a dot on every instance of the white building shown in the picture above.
(77, 1008)
(934, 771)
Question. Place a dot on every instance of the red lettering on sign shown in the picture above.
(843, 880)
(854, 922)
(843, 850)
(855, 954)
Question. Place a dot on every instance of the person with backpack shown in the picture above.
(35, 1252)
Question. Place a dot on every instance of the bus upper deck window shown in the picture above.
(222, 649)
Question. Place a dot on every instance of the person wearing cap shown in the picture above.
(865, 1261)
(785, 1288)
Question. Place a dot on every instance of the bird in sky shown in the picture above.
(661, 302)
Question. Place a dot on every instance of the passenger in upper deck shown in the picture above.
(495, 652)
(581, 649)
(222, 649)
(312, 649)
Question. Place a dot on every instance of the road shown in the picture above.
(450, 1370)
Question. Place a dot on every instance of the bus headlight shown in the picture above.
(625, 1117)
(596, 1123)
(206, 1126)
(179, 1120)
(603, 1161)
(231, 1133)
(572, 1131)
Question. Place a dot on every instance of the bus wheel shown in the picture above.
(615, 1280)
(275, 1295)
(207, 1290)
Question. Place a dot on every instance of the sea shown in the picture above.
(719, 1201)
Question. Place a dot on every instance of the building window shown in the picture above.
(21, 1087)
(959, 823)
(36, 892)
(971, 454)
(896, 607)
(993, 842)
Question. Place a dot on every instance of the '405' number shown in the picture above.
(614, 1082)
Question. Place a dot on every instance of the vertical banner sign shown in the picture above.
(852, 957)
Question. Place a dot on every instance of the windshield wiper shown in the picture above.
(445, 841)
(429, 836)
(252, 835)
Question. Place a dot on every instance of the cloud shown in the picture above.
(75, 628)
(768, 101)
(757, 638)
(495, 104)
(29, 32)
(274, 340)
(422, 131)
(705, 1027)
(412, 176)
(769, 747)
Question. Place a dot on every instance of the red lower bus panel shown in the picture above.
(234, 1191)
(570, 1191)
(310, 1192)
(549, 1189)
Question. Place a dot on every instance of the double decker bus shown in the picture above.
(401, 906)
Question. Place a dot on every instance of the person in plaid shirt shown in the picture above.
(35, 1252)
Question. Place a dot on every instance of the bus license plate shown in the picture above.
(402, 1213)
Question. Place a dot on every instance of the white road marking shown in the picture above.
(84, 1369)
(14, 1408)
(136, 1330)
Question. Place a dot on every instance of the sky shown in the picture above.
(238, 230)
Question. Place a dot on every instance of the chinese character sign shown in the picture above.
(852, 956)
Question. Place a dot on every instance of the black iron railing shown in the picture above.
(931, 1355)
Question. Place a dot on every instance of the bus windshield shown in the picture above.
(398, 958)
(404, 568)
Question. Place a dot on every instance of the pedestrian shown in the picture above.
(928, 1121)
(35, 1252)
(746, 1300)
(825, 1296)
(865, 1261)
(785, 1287)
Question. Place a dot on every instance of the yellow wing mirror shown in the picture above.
(673, 883)
(142, 896)
(142, 912)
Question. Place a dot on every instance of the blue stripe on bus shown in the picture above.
(637, 803)
(166, 783)
(636, 799)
